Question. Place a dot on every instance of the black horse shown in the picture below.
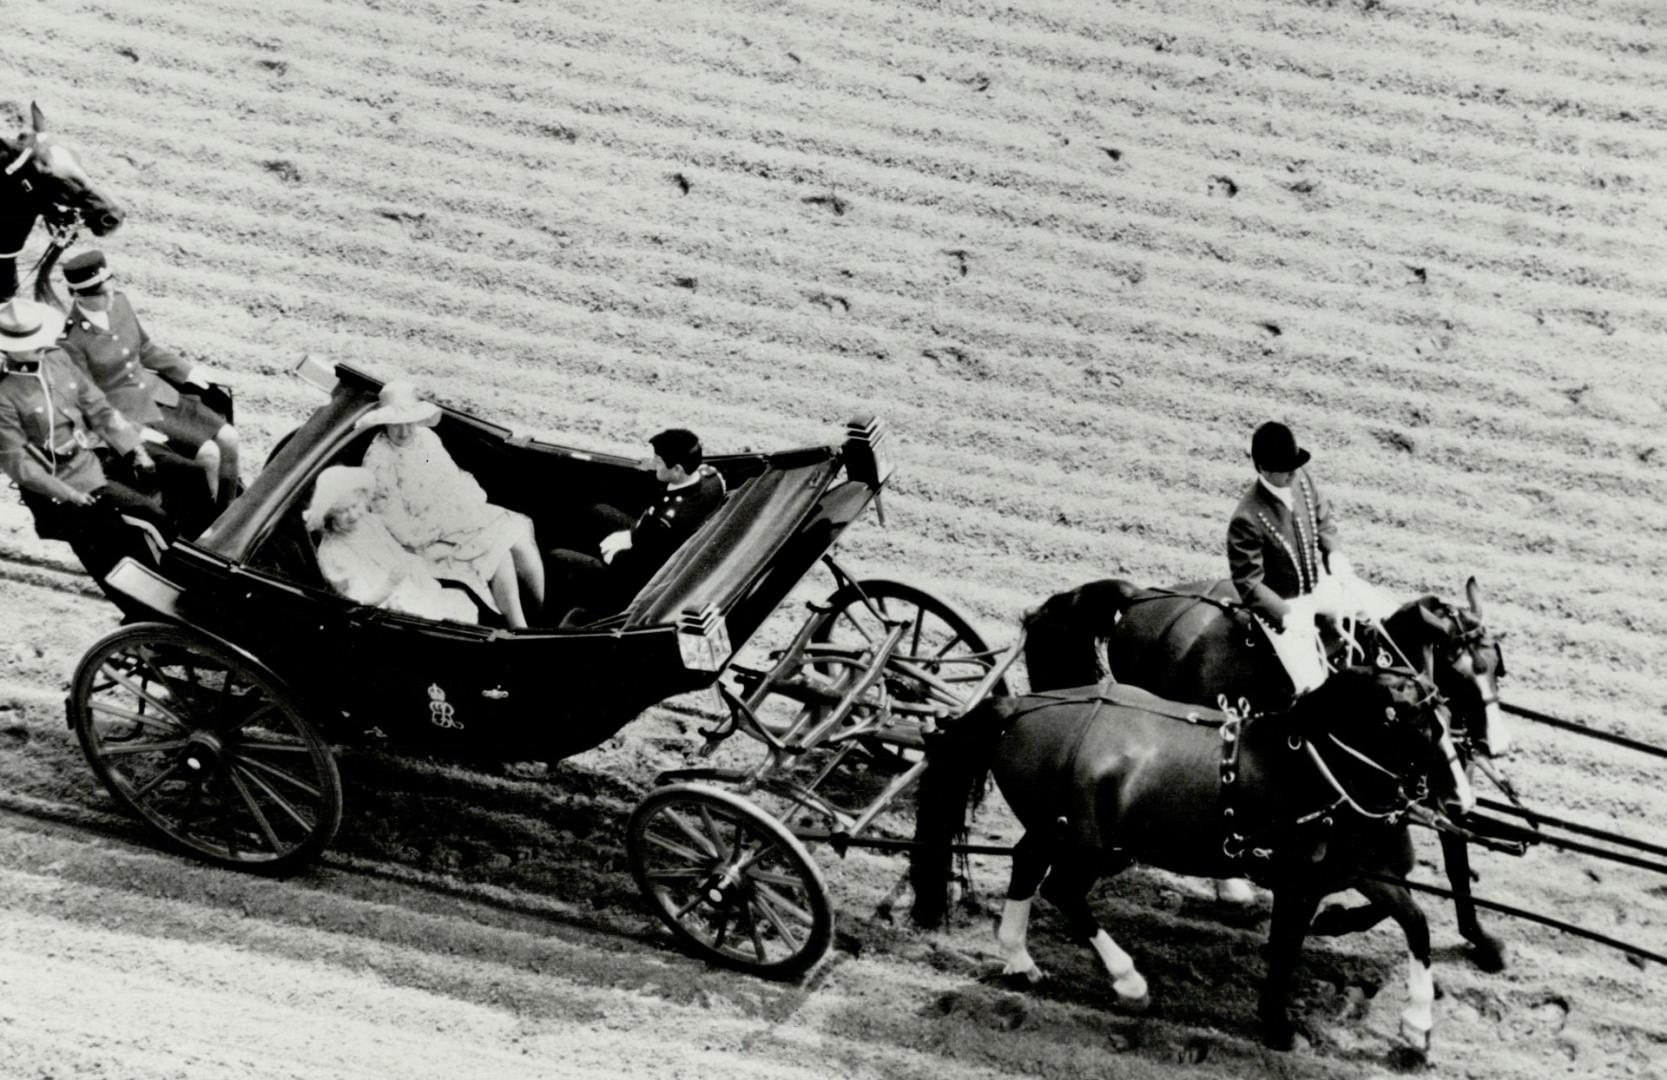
(42, 180)
(1102, 777)
(1194, 642)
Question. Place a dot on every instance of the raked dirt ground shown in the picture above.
(1073, 252)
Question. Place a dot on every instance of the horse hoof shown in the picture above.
(1488, 954)
(1134, 1005)
(1281, 1037)
(1417, 1038)
(1020, 981)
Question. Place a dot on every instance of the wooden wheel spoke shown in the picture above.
(687, 873)
(765, 903)
(249, 720)
(127, 749)
(774, 878)
(242, 775)
(757, 937)
(787, 903)
(687, 854)
(262, 747)
(257, 813)
(715, 834)
(151, 784)
(705, 842)
(241, 759)
(847, 615)
(165, 709)
(918, 629)
(156, 674)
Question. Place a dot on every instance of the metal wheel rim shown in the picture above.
(205, 748)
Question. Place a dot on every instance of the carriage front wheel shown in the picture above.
(732, 883)
(207, 746)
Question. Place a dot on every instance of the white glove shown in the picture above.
(1339, 565)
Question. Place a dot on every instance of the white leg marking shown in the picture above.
(1129, 983)
(1235, 891)
(1416, 1018)
(1011, 936)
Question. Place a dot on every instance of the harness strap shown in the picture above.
(1192, 714)
(21, 159)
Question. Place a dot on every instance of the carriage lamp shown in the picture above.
(703, 640)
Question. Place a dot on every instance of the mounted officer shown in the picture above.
(49, 413)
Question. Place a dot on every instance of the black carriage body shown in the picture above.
(368, 674)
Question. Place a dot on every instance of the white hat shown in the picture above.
(334, 487)
(26, 325)
(398, 403)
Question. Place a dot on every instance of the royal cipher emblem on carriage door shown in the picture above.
(440, 711)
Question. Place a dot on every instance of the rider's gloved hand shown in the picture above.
(1339, 565)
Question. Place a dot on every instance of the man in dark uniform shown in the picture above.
(142, 380)
(1285, 559)
(1281, 533)
(47, 409)
(637, 547)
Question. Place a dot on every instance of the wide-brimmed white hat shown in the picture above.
(398, 403)
(28, 324)
(335, 487)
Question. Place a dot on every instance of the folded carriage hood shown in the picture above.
(750, 555)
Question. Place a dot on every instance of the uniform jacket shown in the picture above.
(673, 518)
(125, 362)
(45, 417)
(1275, 553)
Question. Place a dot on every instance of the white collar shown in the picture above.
(1282, 494)
(100, 319)
(695, 479)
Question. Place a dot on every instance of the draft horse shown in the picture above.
(1101, 777)
(42, 181)
(1194, 642)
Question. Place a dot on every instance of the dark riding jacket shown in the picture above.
(134, 372)
(1275, 552)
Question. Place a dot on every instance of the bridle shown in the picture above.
(63, 222)
(1236, 844)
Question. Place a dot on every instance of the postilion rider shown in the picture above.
(1285, 559)
(49, 414)
(142, 380)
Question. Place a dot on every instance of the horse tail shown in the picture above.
(958, 762)
(1062, 634)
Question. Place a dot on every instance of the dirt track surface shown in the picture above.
(1073, 256)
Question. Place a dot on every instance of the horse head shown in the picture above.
(41, 176)
(1455, 649)
(1379, 725)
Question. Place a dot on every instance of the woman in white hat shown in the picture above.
(362, 561)
(440, 512)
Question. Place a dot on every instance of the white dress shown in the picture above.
(439, 512)
(368, 565)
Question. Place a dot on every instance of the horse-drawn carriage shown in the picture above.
(215, 711)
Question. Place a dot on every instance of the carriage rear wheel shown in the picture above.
(207, 746)
(939, 641)
(732, 883)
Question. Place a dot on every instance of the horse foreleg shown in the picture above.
(1416, 1019)
(1487, 951)
(1293, 910)
(1067, 889)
